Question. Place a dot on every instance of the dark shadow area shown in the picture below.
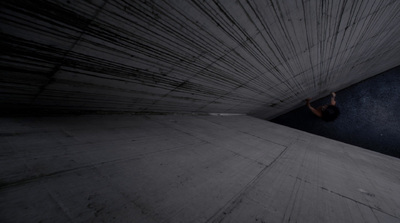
(369, 115)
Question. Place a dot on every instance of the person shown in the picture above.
(327, 112)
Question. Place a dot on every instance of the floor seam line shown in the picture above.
(232, 203)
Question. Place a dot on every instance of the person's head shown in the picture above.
(330, 113)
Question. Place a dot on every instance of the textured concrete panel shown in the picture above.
(254, 57)
(120, 168)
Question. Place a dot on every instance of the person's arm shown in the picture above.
(333, 101)
(312, 109)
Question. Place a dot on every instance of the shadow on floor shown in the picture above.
(369, 115)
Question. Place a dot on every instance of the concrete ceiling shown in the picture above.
(256, 57)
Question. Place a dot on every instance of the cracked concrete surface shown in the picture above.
(181, 168)
(250, 57)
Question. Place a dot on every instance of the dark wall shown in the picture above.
(256, 57)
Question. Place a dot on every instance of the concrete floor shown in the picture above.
(369, 115)
(121, 168)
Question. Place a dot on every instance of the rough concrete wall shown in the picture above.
(255, 57)
(182, 168)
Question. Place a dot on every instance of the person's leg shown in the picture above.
(333, 101)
